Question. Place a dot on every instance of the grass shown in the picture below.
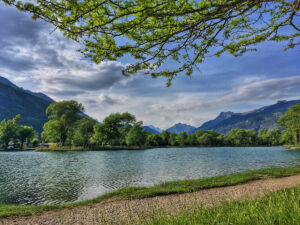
(91, 148)
(281, 207)
(173, 187)
(293, 147)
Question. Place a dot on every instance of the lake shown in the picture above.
(36, 178)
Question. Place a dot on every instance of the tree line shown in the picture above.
(68, 126)
(12, 132)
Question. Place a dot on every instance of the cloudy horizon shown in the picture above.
(36, 57)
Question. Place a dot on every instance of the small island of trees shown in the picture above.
(68, 127)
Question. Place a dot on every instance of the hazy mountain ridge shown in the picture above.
(31, 106)
(180, 127)
(262, 118)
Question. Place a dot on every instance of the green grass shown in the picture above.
(282, 207)
(91, 148)
(173, 187)
(292, 147)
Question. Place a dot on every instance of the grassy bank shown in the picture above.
(174, 187)
(281, 207)
(91, 148)
(292, 147)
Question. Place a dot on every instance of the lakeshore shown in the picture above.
(144, 205)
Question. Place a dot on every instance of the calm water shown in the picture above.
(34, 178)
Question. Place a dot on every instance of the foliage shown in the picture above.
(11, 131)
(165, 135)
(191, 139)
(181, 139)
(110, 131)
(83, 132)
(8, 130)
(156, 31)
(25, 133)
(154, 140)
(269, 137)
(172, 139)
(63, 118)
(241, 137)
(290, 121)
(136, 136)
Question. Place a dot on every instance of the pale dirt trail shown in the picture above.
(113, 211)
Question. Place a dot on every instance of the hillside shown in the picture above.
(263, 118)
(31, 106)
(179, 128)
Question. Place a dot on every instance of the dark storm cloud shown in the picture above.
(106, 76)
(18, 27)
(29, 46)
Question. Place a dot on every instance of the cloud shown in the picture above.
(261, 90)
(38, 59)
(30, 50)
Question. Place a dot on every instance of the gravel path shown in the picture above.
(114, 211)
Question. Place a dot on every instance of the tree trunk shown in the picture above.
(21, 146)
(297, 136)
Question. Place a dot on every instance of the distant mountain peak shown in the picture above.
(262, 118)
(181, 127)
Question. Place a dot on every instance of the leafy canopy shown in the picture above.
(63, 117)
(154, 31)
(291, 122)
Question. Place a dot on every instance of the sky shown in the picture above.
(36, 57)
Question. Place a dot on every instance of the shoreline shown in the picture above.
(134, 148)
(160, 190)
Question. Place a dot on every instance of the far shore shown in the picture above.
(120, 148)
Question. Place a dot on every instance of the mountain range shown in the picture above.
(32, 106)
(262, 118)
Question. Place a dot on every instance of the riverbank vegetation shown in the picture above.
(167, 188)
(68, 128)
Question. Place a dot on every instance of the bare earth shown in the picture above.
(116, 211)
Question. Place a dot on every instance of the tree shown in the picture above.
(156, 31)
(191, 139)
(136, 135)
(181, 138)
(290, 121)
(83, 132)
(154, 140)
(269, 137)
(165, 135)
(63, 117)
(173, 139)
(101, 134)
(209, 137)
(241, 137)
(24, 133)
(206, 139)
(8, 130)
(110, 131)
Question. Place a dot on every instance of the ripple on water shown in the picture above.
(35, 178)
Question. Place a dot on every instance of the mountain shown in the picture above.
(179, 128)
(262, 118)
(31, 106)
(3, 80)
(150, 129)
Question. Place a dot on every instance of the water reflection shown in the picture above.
(58, 177)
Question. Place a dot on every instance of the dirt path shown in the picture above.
(114, 211)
